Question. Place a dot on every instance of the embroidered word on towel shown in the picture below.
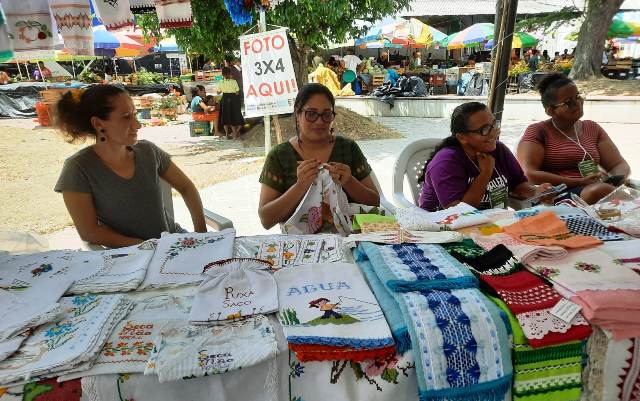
(179, 258)
(196, 351)
(411, 267)
(234, 288)
(330, 304)
(531, 301)
(546, 228)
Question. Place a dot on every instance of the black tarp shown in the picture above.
(19, 100)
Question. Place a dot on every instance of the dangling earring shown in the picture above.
(332, 138)
(298, 133)
(102, 138)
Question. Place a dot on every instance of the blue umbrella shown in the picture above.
(167, 45)
(103, 39)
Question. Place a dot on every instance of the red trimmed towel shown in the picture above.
(115, 14)
(531, 300)
(174, 13)
(73, 18)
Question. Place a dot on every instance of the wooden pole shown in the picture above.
(276, 125)
(498, 88)
(267, 118)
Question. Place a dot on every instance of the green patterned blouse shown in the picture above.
(279, 171)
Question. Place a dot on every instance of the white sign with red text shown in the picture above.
(269, 82)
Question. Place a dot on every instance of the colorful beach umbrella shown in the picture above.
(474, 35)
(167, 45)
(520, 40)
(625, 24)
(378, 33)
(415, 33)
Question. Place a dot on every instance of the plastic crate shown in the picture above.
(199, 128)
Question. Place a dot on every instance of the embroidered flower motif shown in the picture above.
(587, 267)
(83, 299)
(188, 243)
(378, 366)
(58, 330)
(548, 272)
(297, 369)
(314, 219)
(43, 268)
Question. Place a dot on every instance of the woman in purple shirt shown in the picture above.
(472, 166)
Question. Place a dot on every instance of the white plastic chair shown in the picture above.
(410, 164)
(384, 202)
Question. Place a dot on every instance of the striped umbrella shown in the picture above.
(470, 37)
(624, 25)
(415, 33)
(520, 40)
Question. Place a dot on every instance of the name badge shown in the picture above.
(588, 167)
(498, 197)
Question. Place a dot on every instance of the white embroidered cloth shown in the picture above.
(73, 19)
(589, 269)
(115, 14)
(124, 270)
(11, 345)
(19, 313)
(174, 13)
(405, 237)
(453, 218)
(330, 304)
(324, 208)
(234, 288)
(525, 253)
(73, 341)
(129, 346)
(294, 250)
(30, 23)
(180, 258)
(196, 351)
(539, 323)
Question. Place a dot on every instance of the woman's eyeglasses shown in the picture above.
(486, 129)
(570, 102)
(312, 116)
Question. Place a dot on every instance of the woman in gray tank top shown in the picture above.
(112, 188)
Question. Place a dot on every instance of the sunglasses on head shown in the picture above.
(486, 129)
(312, 116)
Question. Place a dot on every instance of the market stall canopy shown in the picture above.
(520, 40)
(379, 32)
(415, 33)
(625, 24)
(167, 45)
(103, 39)
(472, 36)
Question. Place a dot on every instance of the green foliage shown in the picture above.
(166, 102)
(150, 26)
(390, 375)
(550, 21)
(150, 78)
(315, 23)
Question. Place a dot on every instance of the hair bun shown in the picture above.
(547, 81)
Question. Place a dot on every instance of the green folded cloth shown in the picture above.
(370, 218)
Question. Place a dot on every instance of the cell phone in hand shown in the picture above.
(558, 189)
(615, 180)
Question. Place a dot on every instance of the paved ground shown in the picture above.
(238, 199)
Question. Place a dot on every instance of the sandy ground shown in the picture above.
(31, 160)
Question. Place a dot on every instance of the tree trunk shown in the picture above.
(300, 59)
(592, 37)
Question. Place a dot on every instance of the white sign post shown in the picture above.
(269, 81)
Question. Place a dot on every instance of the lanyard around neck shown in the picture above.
(577, 141)
(478, 167)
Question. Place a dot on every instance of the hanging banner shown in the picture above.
(269, 82)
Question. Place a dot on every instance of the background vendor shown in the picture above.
(201, 111)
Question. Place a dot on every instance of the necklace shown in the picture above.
(576, 141)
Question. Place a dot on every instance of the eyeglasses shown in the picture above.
(312, 116)
(486, 129)
(571, 102)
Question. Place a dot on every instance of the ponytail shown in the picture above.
(73, 112)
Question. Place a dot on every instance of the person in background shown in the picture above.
(236, 71)
(112, 189)
(383, 60)
(201, 111)
(352, 63)
(534, 60)
(292, 166)
(333, 64)
(556, 57)
(472, 166)
(545, 56)
(4, 77)
(208, 65)
(429, 61)
(316, 61)
(565, 149)
(231, 105)
(565, 55)
(416, 60)
(471, 61)
(46, 73)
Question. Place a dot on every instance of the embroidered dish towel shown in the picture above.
(234, 288)
(196, 351)
(403, 236)
(129, 345)
(72, 341)
(73, 18)
(115, 14)
(124, 269)
(411, 267)
(174, 13)
(613, 310)
(324, 208)
(371, 220)
(330, 304)
(453, 218)
(142, 6)
(460, 343)
(589, 269)
(531, 301)
(179, 258)
(291, 250)
(546, 228)
(19, 313)
(30, 23)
